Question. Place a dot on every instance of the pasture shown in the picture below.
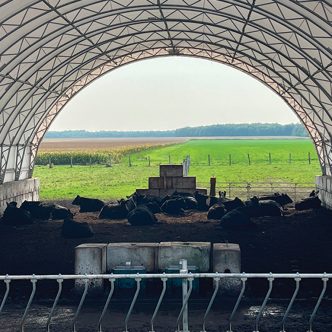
(256, 160)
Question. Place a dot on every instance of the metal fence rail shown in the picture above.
(245, 190)
(187, 282)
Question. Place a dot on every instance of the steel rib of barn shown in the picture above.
(51, 49)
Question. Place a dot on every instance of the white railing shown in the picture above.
(187, 287)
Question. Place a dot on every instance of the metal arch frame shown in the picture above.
(232, 41)
(233, 18)
(292, 84)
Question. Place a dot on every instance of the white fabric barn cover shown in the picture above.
(50, 49)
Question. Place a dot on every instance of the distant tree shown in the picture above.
(242, 129)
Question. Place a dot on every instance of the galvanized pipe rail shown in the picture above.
(187, 278)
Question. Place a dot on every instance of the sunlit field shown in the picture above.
(287, 161)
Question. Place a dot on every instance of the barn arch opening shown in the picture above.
(219, 157)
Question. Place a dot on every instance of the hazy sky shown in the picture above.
(169, 93)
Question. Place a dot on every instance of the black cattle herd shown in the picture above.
(141, 209)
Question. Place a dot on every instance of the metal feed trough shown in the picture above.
(182, 322)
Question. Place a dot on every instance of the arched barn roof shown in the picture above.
(50, 49)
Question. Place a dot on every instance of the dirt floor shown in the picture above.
(297, 242)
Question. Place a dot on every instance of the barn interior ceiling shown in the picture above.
(51, 49)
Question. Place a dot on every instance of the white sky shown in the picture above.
(170, 93)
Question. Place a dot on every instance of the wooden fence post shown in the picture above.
(249, 159)
(290, 158)
(129, 161)
(209, 160)
(169, 159)
(309, 158)
(149, 161)
(230, 159)
(71, 161)
(213, 182)
(270, 159)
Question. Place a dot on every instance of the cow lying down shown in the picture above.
(46, 211)
(14, 216)
(72, 229)
(311, 202)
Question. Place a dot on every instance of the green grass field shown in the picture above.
(64, 182)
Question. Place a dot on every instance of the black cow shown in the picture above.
(216, 212)
(282, 199)
(153, 207)
(88, 204)
(130, 203)
(114, 211)
(201, 201)
(308, 203)
(256, 208)
(38, 209)
(72, 229)
(314, 193)
(141, 216)
(15, 216)
(232, 204)
(153, 203)
(174, 206)
(60, 212)
(236, 219)
(190, 203)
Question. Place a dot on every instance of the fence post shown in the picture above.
(50, 162)
(149, 161)
(230, 159)
(290, 158)
(270, 159)
(71, 161)
(249, 161)
(309, 158)
(248, 187)
(209, 160)
(90, 161)
(169, 159)
(213, 182)
(129, 161)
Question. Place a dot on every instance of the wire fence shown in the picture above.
(183, 319)
(211, 160)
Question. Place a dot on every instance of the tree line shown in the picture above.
(242, 129)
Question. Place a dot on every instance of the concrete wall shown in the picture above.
(18, 191)
(90, 258)
(324, 185)
(196, 253)
(137, 253)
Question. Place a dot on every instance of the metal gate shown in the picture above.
(187, 279)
